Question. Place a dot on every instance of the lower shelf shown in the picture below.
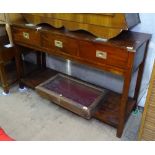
(37, 76)
(109, 109)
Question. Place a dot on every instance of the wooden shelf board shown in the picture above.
(109, 109)
(38, 76)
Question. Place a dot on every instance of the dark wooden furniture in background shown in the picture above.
(121, 55)
(8, 74)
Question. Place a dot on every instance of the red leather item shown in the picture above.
(4, 136)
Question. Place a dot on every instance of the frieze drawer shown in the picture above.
(26, 36)
(101, 54)
(60, 44)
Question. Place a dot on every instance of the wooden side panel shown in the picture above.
(147, 129)
(139, 56)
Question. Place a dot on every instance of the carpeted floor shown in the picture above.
(25, 116)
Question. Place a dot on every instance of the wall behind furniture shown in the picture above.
(107, 80)
(147, 25)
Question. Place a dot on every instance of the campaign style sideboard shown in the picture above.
(122, 55)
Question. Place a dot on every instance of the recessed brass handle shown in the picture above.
(101, 54)
(26, 35)
(58, 43)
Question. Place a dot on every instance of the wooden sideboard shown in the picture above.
(121, 55)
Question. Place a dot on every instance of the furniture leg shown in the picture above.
(3, 77)
(140, 75)
(43, 57)
(123, 104)
(19, 66)
(38, 55)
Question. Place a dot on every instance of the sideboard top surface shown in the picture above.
(127, 39)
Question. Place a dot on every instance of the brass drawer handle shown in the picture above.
(26, 35)
(58, 43)
(101, 54)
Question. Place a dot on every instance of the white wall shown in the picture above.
(147, 25)
(107, 80)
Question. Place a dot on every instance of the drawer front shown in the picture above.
(101, 54)
(26, 36)
(60, 44)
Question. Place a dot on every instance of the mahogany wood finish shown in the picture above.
(108, 111)
(121, 55)
(70, 46)
(33, 35)
(38, 76)
(7, 55)
(117, 59)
